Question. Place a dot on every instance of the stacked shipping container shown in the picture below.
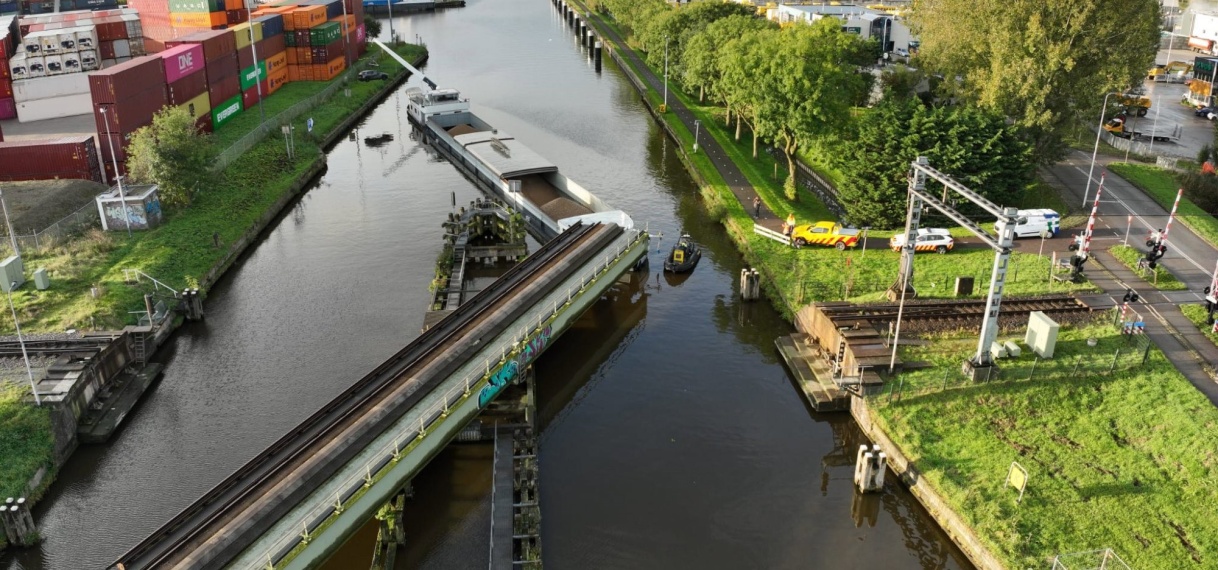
(219, 49)
(8, 47)
(69, 157)
(169, 20)
(55, 49)
(125, 98)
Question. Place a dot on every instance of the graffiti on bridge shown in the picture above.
(513, 367)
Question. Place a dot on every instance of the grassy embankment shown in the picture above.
(796, 277)
(1161, 185)
(1161, 278)
(181, 251)
(1124, 460)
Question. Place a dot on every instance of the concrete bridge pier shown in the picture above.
(391, 535)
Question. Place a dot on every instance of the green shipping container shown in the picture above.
(289, 39)
(195, 6)
(224, 112)
(251, 75)
(325, 33)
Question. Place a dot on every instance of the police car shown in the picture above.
(926, 239)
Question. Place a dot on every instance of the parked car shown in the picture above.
(372, 75)
(926, 239)
(1206, 112)
(901, 52)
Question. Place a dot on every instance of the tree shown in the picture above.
(372, 27)
(804, 86)
(1038, 62)
(172, 153)
(978, 148)
(678, 25)
(700, 65)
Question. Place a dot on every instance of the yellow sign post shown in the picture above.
(1017, 477)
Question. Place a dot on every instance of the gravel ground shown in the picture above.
(37, 204)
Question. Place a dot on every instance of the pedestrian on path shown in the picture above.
(756, 207)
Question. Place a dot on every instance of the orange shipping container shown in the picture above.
(334, 68)
(234, 5)
(316, 15)
(293, 72)
(290, 53)
(276, 62)
(198, 19)
(277, 79)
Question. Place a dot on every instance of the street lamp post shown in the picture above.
(254, 52)
(9, 225)
(21, 340)
(665, 73)
(697, 125)
(1096, 150)
(122, 195)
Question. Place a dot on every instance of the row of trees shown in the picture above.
(788, 85)
(1007, 78)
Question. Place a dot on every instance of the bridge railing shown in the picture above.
(309, 523)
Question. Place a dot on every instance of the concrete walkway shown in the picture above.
(706, 143)
(1179, 339)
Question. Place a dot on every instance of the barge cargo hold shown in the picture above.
(505, 167)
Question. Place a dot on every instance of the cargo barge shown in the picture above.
(504, 167)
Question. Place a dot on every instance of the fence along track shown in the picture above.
(168, 543)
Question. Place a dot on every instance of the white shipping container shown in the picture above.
(137, 47)
(50, 41)
(54, 64)
(108, 63)
(134, 29)
(88, 60)
(86, 37)
(35, 66)
(32, 42)
(122, 48)
(55, 108)
(51, 87)
(67, 40)
(17, 67)
(71, 62)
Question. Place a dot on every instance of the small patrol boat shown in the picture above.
(684, 256)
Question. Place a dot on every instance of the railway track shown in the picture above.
(926, 316)
(216, 527)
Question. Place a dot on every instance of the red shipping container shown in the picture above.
(216, 43)
(235, 17)
(222, 68)
(8, 109)
(186, 88)
(271, 46)
(204, 123)
(249, 97)
(6, 89)
(120, 142)
(224, 89)
(66, 157)
(110, 31)
(106, 48)
(120, 82)
(245, 57)
(302, 37)
(182, 60)
(109, 168)
(130, 113)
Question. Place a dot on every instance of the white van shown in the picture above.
(1032, 222)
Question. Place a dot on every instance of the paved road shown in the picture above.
(1188, 257)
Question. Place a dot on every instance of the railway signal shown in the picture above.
(1157, 242)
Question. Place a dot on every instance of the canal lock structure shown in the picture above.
(671, 436)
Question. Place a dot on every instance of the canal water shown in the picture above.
(671, 436)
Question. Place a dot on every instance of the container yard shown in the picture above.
(213, 58)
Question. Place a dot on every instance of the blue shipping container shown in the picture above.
(272, 25)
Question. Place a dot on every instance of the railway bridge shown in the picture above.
(298, 501)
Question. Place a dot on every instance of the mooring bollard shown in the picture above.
(869, 469)
(10, 528)
(596, 56)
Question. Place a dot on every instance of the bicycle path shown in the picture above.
(735, 179)
(1178, 338)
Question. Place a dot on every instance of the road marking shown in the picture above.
(1148, 226)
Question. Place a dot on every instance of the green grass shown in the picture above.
(26, 443)
(1161, 185)
(180, 252)
(1198, 315)
(1161, 278)
(1125, 461)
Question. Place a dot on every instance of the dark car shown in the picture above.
(1207, 112)
(372, 75)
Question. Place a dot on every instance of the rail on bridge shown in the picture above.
(296, 503)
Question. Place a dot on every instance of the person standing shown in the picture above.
(756, 207)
